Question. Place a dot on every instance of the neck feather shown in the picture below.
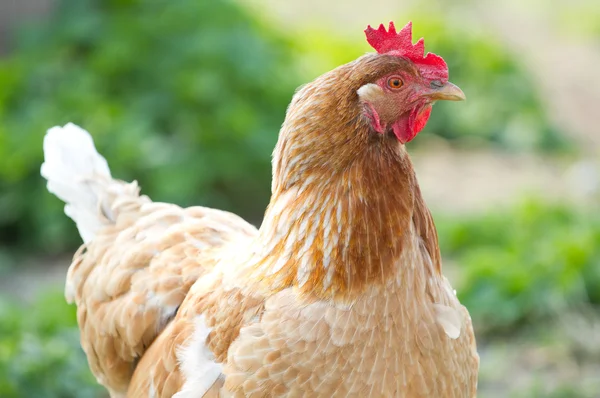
(345, 201)
(334, 234)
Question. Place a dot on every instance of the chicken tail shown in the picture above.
(79, 175)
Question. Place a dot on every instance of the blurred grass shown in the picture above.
(524, 265)
(185, 96)
(40, 354)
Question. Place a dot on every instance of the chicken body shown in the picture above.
(339, 294)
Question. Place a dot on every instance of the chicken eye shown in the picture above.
(395, 82)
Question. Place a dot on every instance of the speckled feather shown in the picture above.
(339, 294)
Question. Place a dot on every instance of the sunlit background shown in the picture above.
(187, 96)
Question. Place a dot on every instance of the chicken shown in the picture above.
(340, 293)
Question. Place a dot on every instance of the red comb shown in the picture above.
(400, 44)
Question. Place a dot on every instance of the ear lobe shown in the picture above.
(369, 92)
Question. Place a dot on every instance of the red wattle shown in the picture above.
(407, 128)
(421, 119)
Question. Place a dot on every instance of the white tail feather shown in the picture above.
(78, 175)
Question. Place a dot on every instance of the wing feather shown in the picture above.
(130, 280)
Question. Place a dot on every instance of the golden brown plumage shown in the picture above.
(340, 293)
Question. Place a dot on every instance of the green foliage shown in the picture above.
(40, 355)
(525, 264)
(185, 96)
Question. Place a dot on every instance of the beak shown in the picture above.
(448, 92)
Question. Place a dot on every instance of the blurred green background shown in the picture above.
(187, 96)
